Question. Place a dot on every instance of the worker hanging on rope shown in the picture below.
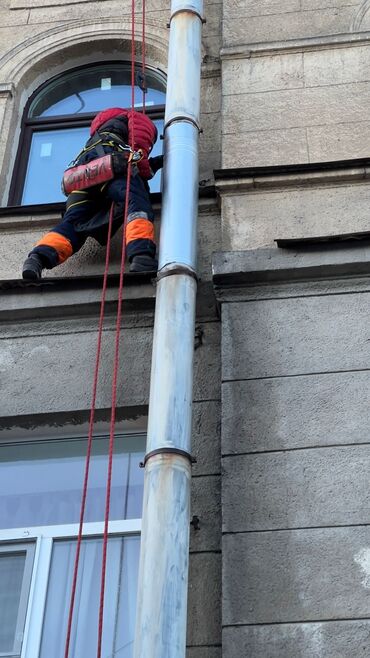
(97, 179)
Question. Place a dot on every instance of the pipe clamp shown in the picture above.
(167, 451)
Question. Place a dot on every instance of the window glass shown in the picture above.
(50, 153)
(56, 125)
(95, 89)
(11, 577)
(40, 483)
(15, 577)
(155, 182)
(119, 603)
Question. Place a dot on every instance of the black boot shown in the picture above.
(32, 268)
(143, 264)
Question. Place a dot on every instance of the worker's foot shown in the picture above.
(32, 268)
(143, 264)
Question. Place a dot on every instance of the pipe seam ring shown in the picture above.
(181, 118)
(167, 451)
(187, 10)
(179, 269)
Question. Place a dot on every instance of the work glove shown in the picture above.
(156, 163)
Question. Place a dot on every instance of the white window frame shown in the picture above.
(43, 538)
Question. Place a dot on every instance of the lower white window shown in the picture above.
(16, 561)
(40, 492)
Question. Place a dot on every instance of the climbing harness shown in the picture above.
(87, 175)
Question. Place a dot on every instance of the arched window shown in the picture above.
(56, 124)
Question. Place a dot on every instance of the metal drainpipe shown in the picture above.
(163, 574)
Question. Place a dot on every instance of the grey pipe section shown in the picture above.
(163, 574)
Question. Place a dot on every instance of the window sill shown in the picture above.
(47, 208)
(205, 192)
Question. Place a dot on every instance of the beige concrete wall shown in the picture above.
(295, 90)
(253, 21)
(306, 106)
(257, 216)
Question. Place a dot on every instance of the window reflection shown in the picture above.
(119, 603)
(56, 125)
(40, 483)
(50, 153)
(95, 89)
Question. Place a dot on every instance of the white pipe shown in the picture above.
(163, 575)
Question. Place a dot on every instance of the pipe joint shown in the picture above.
(173, 269)
(182, 119)
(168, 451)
(187, 10)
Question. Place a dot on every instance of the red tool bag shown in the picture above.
(83, 176)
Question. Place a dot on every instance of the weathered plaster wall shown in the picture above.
(295, 452)
(47, 352)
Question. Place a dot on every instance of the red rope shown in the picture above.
(115, 372)
(143, 64)
(112, 421)
(117, 346)
(90, 436)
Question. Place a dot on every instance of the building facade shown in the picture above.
(279, 563)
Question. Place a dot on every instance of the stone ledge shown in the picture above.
(326, 638)
(76, 297)
(6, 89)
(230, 180)
(72, 296)
(268, 48)
(335, 259)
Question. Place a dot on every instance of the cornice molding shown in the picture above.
(263, 49)
(253, 267)
(252, 178)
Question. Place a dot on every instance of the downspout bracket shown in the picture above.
(167, 451)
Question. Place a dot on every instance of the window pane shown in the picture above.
(50, 153)
(16, 564)
(40, 483)
(94, 89)
(155, 183)
(120, 599)
(11, 577)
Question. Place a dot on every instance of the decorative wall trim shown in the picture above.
(6, 89)
(263, 49)
(238, 180)
(21, 59)
(33, 4)
(255, 266)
